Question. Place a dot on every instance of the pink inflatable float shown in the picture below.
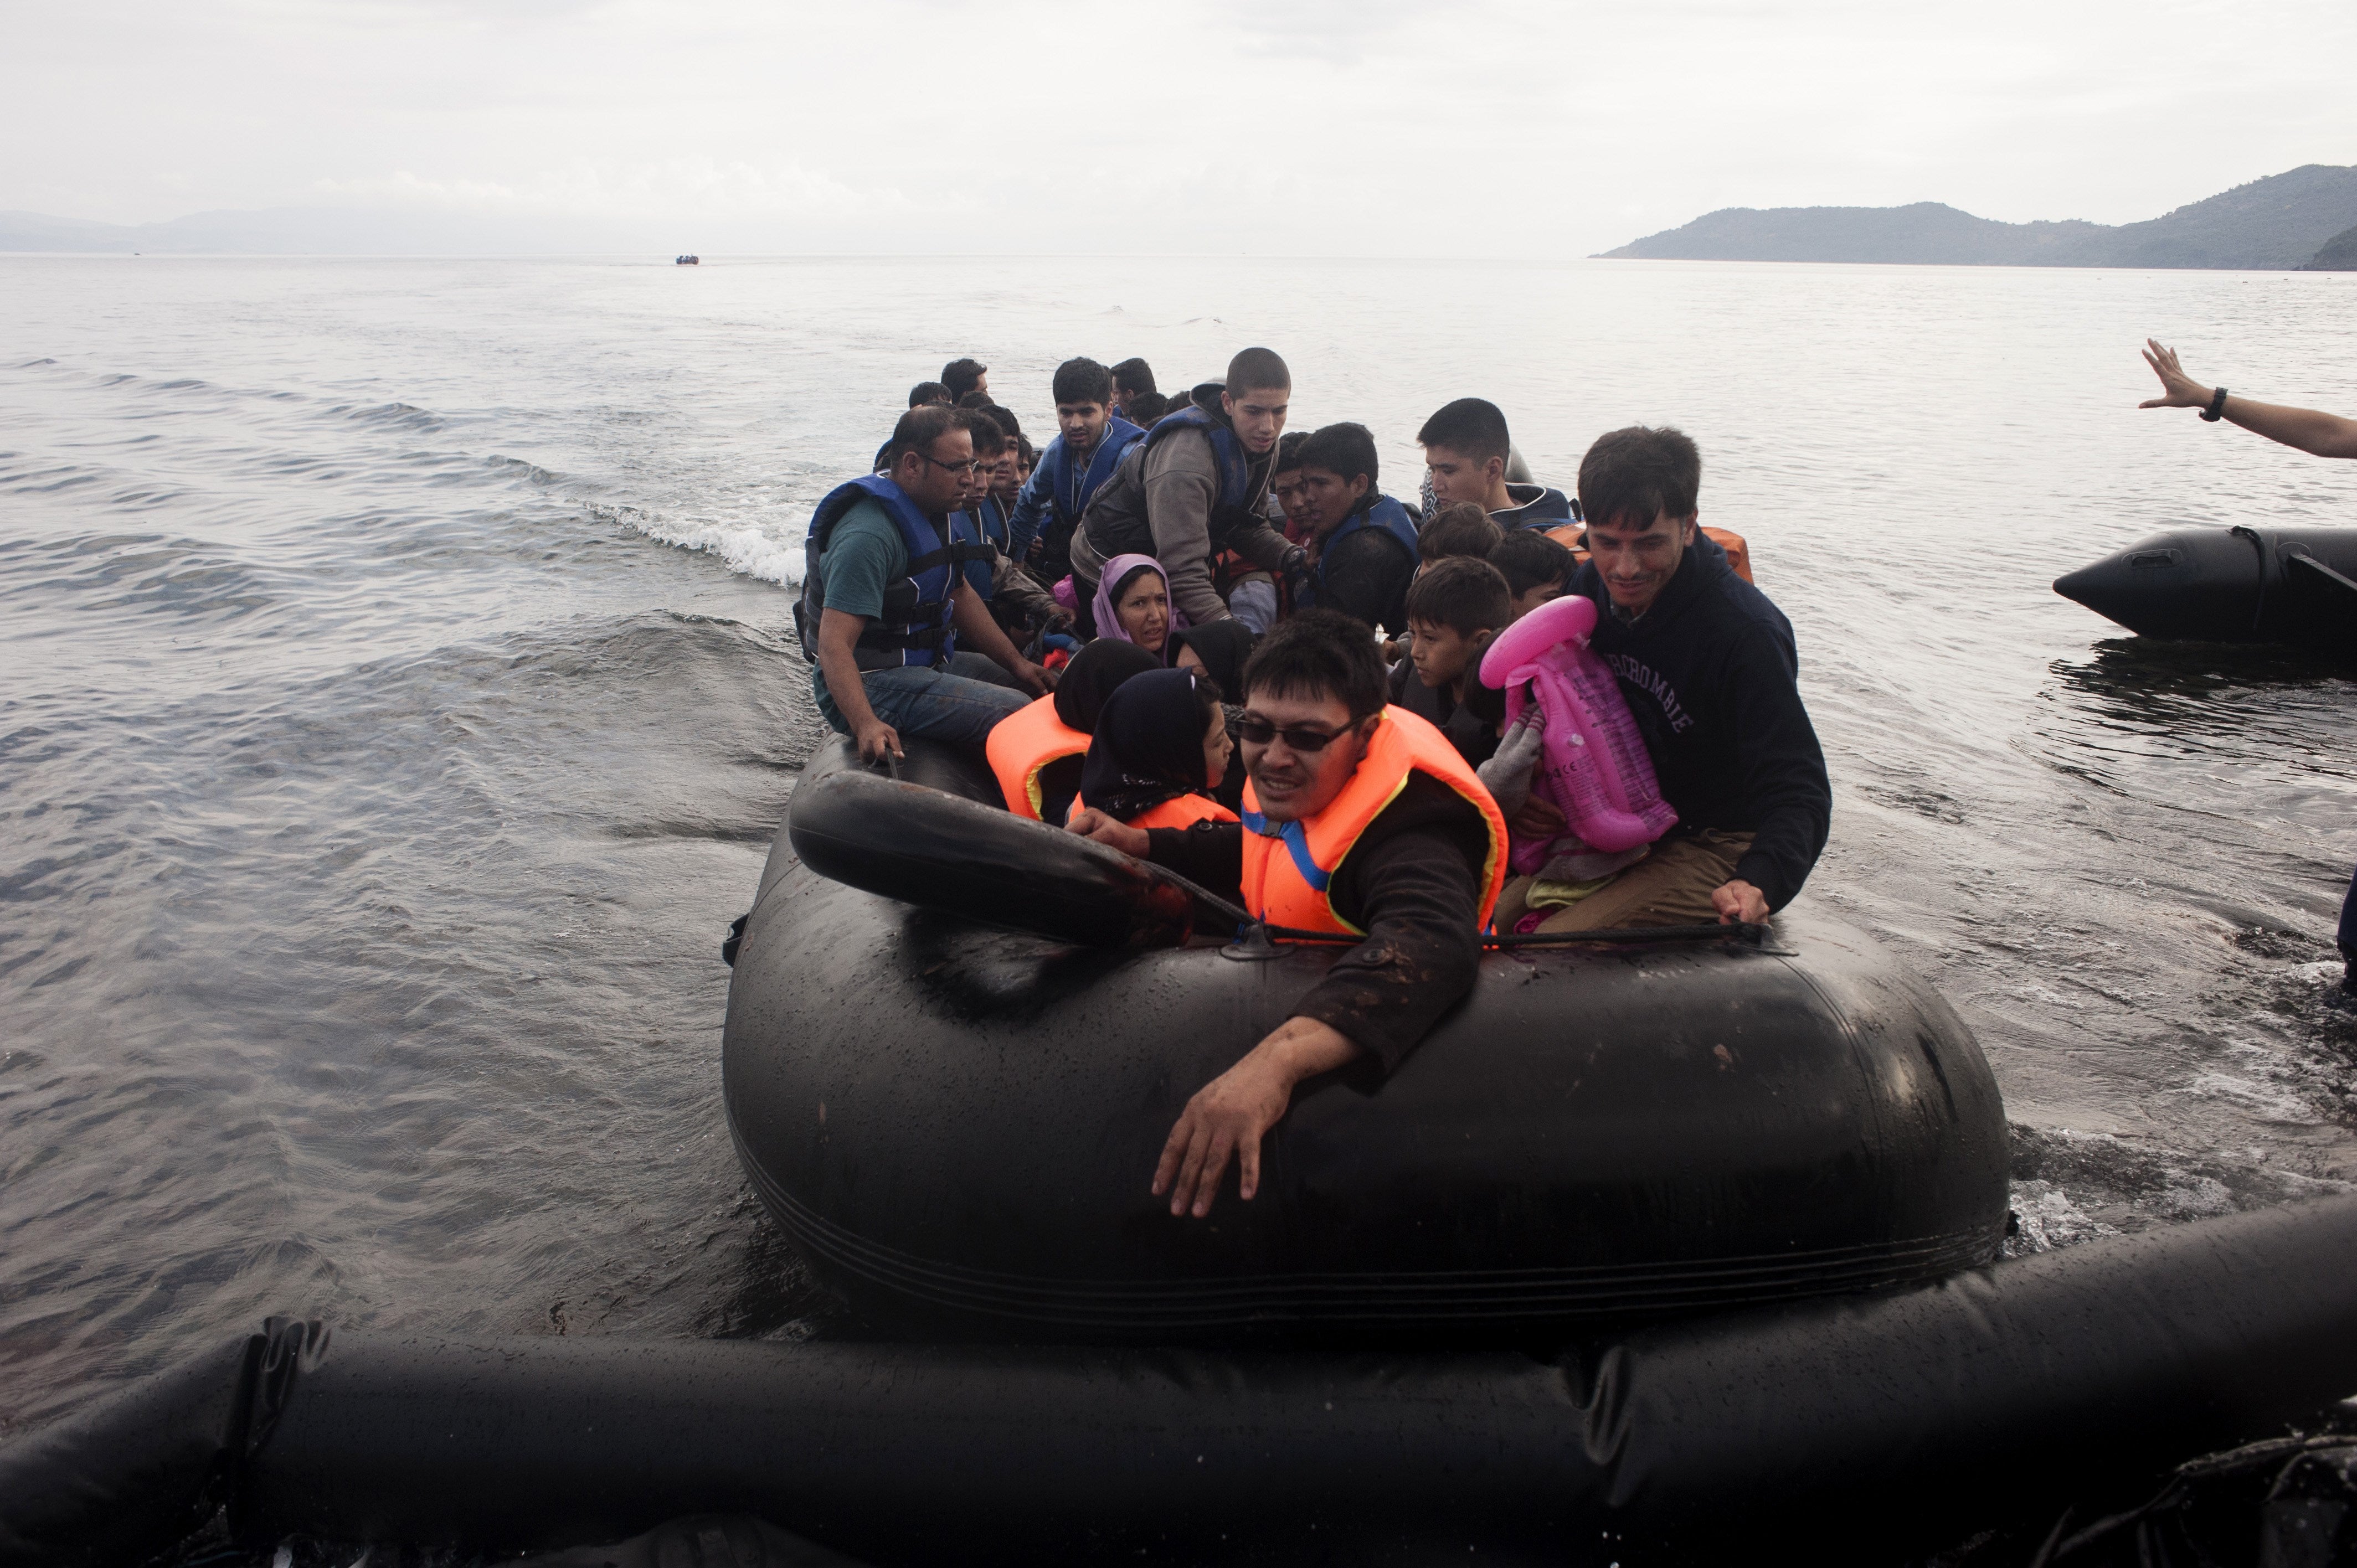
(1592, 762)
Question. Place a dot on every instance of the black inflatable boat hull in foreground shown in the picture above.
(1902, 1419)
(965, 1121)
(2295, 585)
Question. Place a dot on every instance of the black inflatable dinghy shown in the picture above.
(1891, 1423)
(2230, 584)
(962, 1118)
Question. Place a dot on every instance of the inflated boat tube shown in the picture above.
(2230, 584)
(953, 1120)
(951, 852)
(1902, 1419)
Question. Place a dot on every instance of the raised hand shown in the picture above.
(2178, 389)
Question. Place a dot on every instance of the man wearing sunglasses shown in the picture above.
(1359, 818)
(885, 598)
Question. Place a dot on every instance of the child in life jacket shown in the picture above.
(1570, 740)
(1161, 746)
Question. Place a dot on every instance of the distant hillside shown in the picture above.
(2279, 222)
(2339, 254)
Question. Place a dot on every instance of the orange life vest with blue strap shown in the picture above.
(1020, 747)
(1288, 865)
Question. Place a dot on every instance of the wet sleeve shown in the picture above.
(1182, 483)
(1210, 855)
(1420, 954)
(1263, 546)
(864, 556)
(1783, 768)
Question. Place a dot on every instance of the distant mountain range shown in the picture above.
(2305, 217)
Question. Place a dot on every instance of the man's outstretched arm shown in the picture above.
(2311, 430)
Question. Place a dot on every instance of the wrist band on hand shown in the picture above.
(2217, 409)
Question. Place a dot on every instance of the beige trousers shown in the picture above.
(1671, 886)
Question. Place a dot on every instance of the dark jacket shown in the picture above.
(1365, 567)
(1472, 726)
(1411, 883)
(1537, 506)
(1711, 673)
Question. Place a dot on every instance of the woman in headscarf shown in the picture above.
(1036, 750)
(1133, 603)
(1218, 650)
(1160, 744)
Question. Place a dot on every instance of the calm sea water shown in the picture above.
(399, 698)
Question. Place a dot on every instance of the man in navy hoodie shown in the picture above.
(1710, 672)
(1090, 440)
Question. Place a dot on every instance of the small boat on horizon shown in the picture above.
(687, 261)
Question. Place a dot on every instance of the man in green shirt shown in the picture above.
(884, 602)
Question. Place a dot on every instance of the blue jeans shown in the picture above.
(959, 702)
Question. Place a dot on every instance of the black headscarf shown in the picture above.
(1091, 677)
(1148, 747)
(1222, 646)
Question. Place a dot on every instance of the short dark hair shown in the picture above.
(1136, 375)
(1320, 653)
(973, 400)
(1526, 557)
(924, 392)
(959, 375)
(1461, 593)
(1148, 407)
(1460, 528)
(1632, 477)
(917, 430)
(1025, 453)
(1258, 369)
(1346, 449)
(1083, 380)
(1288, 452)
(989, 436)
(1006, 420)
(1473, 425)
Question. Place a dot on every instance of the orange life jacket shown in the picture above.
(1178, 811)
(1739, 554)
(1287, 870)
(1023, 743)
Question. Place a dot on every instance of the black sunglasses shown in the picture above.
(1260, 732)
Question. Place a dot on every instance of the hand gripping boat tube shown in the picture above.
(1594, 764)
(1899, 1420)
(961, 1120)
(2230, 584)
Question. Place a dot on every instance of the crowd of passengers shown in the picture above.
(1184, 632)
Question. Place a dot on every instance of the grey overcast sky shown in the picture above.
(1468, 127)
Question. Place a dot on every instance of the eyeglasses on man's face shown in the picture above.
(1297, 738)
(965, 470)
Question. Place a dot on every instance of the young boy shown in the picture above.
(1458, 528)
(1285, 486)
(1363, 548)
(1535, 568)
(1466, 450)
(1454, 609)
(1090, 441)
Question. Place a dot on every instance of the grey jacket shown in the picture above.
(1167, 493)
